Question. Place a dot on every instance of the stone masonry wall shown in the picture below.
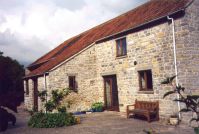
(83, 67)
(151, 49)
(187, 42)
(28, 99)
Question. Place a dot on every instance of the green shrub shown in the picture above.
(61, 109)
(50, 106)
(51, 120)
(97, 107)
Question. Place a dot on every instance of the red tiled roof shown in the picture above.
(145, 13)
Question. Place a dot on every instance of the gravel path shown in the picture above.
(98, 123)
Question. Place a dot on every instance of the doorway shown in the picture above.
(111, 93)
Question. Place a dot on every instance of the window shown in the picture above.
(27, 87)
(121, 47)
(145, 80)
(72, 82)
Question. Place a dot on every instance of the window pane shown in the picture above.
(142, 80)
(121, 47)
(72, 82)
(149, 80)
(119, 50)
(145, 80)
(124, 46)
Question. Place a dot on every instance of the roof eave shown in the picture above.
(36, 75)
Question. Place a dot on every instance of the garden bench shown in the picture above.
(147, 109)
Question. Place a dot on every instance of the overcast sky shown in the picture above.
(31, 28)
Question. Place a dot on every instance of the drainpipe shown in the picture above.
(175, 61)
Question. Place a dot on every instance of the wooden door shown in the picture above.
(35, 94)
(111, 93)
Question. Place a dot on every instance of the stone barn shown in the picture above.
(124, 59)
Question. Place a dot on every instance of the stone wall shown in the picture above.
(151, 49)
(187, 42)
(83, 67)
(28, 99)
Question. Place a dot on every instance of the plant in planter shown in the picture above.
(191, 102)
(97, 107)
(174, 120)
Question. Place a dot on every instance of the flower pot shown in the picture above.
(196, 130)
(173, 121)
(78, 120)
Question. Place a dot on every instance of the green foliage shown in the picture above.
(11, 74)
(57, 96)
(50, 106)
(168, 93)
(97, 107)
(55, 101)
(42, 95)
(168, 80)
(11, 84)
(150, 131)
(62, 109)
(196, 130)
(51, 120)
(191, 101)
(33, 111)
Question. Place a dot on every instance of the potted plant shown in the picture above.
(191, 102)
(196, 130)
(174, 120)
(97, 107)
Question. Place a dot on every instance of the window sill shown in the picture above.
(145, 92)
(120, 57)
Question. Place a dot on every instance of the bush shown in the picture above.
(50, 106)
(51, 120)
(97, 107)
(62, 109)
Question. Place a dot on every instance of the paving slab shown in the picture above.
(98, 123)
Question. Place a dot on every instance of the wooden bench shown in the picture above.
(144, 108)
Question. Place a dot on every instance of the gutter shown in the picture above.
(175, 59)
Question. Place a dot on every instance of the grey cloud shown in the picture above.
(6, 38)
(24, 50)
(72, 5)
(121, 6)
(2, 19)
(10, 5)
